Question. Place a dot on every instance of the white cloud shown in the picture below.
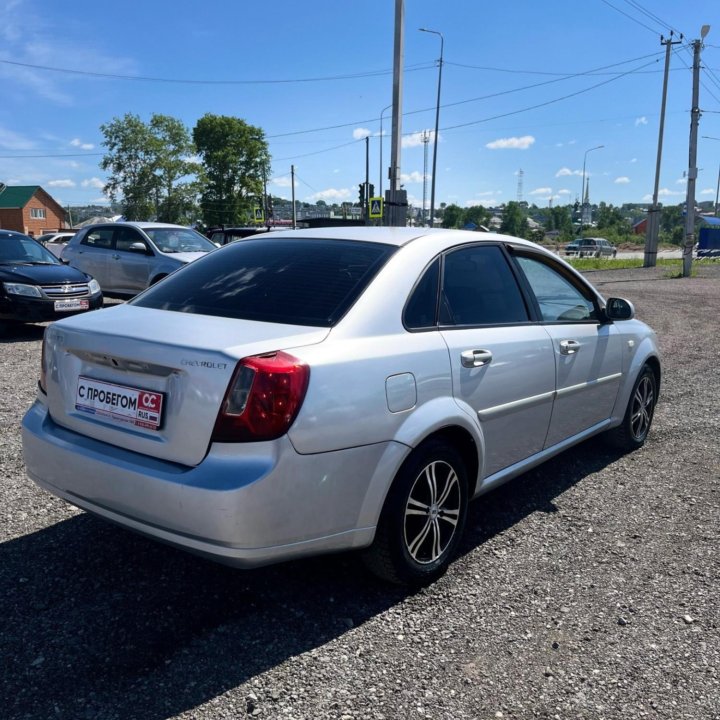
(61, 183)
(681, 181)
(360, 133)
(332, 194)
(541, 191)
(641, 121)
(416, 139)
(622, 180)
(708, 191)
(488, 201)
(564, 171)
(413, 177)
(511, 143)
(79, 144)
(572, 142)
(564, 191)
(99, 201)
(93, 183)
(664, 192)
(634, 160)
(283, 181)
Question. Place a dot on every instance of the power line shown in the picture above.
(542, 104)
(469, 100)
(185, 81)
(635, 20)
(652, 16)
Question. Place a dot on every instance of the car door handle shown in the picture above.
(475, 358)
(569, 347)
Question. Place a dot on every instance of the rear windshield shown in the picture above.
(300, 281)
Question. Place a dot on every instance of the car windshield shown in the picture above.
(23, 250)
(176, 240)
(300, 281)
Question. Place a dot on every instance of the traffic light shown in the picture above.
(361, 195)
(371, 190)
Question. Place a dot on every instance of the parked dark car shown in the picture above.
(36, 287)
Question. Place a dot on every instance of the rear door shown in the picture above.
(588, 353)
(502, 363)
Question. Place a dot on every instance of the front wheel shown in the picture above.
(423, 518)
(633, 431)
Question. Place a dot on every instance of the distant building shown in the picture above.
(29, 209)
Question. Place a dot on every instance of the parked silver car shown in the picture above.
(324, 390)
(592, 247)
(127, 257)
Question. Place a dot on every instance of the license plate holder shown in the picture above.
(120, 403)
(69, 305)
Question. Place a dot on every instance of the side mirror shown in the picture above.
(619, 309)
(138, 247)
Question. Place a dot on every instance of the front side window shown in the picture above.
(479, 288)
(559, 299)
(127, 239)
(303, 281)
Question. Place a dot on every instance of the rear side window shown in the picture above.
(301, 281)
(479, 288)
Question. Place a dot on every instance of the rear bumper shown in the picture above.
(245, 505)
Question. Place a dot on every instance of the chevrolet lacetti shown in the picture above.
(328, 390)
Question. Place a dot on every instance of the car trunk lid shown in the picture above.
(153, 381)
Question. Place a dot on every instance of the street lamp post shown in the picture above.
(437, 123)
(717, 191)
(582, 196)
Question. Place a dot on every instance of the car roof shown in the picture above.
(142, 224)
(398, 236)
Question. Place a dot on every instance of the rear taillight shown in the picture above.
(263, 399)
(42, 380)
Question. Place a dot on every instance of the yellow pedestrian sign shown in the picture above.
(259, 215)
(376, 207)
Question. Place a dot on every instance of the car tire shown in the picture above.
(597, 254)
(423, 518)
(633, 431)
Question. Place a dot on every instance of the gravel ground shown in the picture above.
(586, 588)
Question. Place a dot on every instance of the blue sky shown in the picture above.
(316, 76)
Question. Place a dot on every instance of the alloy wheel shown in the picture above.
(642, 408)
(432, 512)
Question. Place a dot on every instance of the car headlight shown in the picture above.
(22, 289)
(94, 286)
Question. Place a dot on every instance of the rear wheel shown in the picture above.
(633, 431)
(423, 518)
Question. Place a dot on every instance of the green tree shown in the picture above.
(477, 214)
(235, 159)
(452, 216)
(514, 221)
(560, 218)
(149, 167)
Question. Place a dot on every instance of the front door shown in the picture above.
(502, 364)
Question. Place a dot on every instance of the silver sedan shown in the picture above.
(327, 390)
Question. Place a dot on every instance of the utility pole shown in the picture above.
(692, 163)
(366, 209)
(425, 141)
(396, 198)
(292, 183)
(653, 218)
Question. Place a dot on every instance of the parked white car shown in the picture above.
(332, 389)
